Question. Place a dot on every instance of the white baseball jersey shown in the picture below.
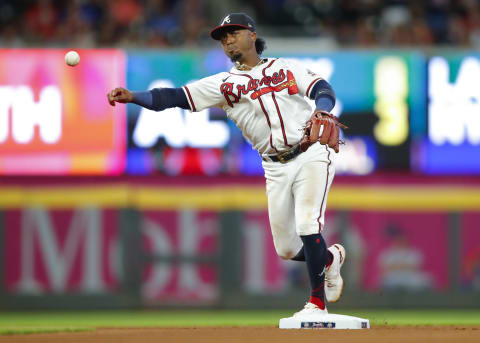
(267, 103)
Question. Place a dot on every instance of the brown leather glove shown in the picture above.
(330, 133)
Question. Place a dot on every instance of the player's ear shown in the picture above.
(253, 36)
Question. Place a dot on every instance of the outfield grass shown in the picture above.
(34, 322)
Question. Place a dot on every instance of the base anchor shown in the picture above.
(328, 321)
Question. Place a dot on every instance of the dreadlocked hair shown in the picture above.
(260, 45)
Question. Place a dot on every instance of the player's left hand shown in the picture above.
(119, 94)
(329, 135)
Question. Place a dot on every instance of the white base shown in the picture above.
(328, 321)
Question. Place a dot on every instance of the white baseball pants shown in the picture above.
(297, 197)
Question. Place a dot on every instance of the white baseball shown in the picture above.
(72, 58)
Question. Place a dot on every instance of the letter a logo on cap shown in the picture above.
(226, 20)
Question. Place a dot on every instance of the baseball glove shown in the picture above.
(329, 135)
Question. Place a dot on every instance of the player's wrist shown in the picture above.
(140, 98)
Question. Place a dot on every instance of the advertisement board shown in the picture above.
(406, 110)
(452, 145)
(377, 94)
(186, 242)
(54, 119)
(52, 251)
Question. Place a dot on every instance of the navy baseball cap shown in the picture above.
(239, 20)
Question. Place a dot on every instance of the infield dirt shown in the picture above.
(389, 334)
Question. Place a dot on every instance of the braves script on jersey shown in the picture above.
(267, 102)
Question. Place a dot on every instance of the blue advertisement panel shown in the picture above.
(452, 145)
(380, 96)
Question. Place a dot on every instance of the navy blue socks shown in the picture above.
(316, 256)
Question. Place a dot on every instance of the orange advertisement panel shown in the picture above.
(55, 119)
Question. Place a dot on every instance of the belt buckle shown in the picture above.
(281, 157)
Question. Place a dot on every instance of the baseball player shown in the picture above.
(266, 99)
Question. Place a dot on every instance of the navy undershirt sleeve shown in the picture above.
(159, 99)
(143, 99)
(323, 95)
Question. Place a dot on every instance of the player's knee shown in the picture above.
(286, 253)
(307, 228)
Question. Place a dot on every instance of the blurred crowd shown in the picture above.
(177, 23)
(380, 22)
(91, 23)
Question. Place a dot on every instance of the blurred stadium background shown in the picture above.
(122, 207)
